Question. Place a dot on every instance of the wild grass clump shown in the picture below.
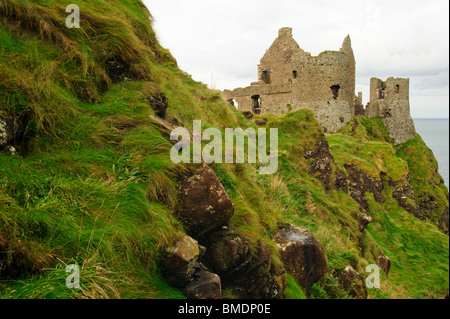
(48, 68)
(94, 184)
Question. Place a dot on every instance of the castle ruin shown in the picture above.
(290, 79)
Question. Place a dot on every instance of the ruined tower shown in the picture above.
(390, 100)
(290, 79)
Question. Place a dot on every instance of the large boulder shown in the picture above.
(246, 270)
(226, 251)
(302, 255)
(257, 277)
(181, 261)
(204, 285)
(353, 282)
(204, 203)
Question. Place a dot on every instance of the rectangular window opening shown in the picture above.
(256, 104)
(265, 77)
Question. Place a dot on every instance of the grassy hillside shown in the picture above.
(94, 184)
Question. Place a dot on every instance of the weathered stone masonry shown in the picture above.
(290, 79)
(390, 100)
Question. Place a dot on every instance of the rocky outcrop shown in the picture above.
(258, 277)
(159, 103)
(321, 163)
(353, 282)
(323, 167)
(341, 181)
(182, 268)
(360, 183)
(248, 271)
(364, 221)
(227, 252)
(204, 285)
(404, 194)
(385, 264)
(302, 255)
(204, 203)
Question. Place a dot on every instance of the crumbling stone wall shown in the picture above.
(290, 79)
(390, 100)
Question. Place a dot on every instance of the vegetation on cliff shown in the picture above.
(94, 184)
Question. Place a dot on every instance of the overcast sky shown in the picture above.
(220, 42)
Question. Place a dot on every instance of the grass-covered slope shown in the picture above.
(94, 184)
(420, 249)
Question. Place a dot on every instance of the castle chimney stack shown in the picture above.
(360, 98)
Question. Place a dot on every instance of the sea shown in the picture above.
(435, 133)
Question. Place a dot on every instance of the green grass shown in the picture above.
(419, 253)
(293, 290)
(94, 183)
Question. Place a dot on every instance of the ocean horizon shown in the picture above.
(435, 133)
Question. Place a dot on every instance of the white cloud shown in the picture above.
(222, 41)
